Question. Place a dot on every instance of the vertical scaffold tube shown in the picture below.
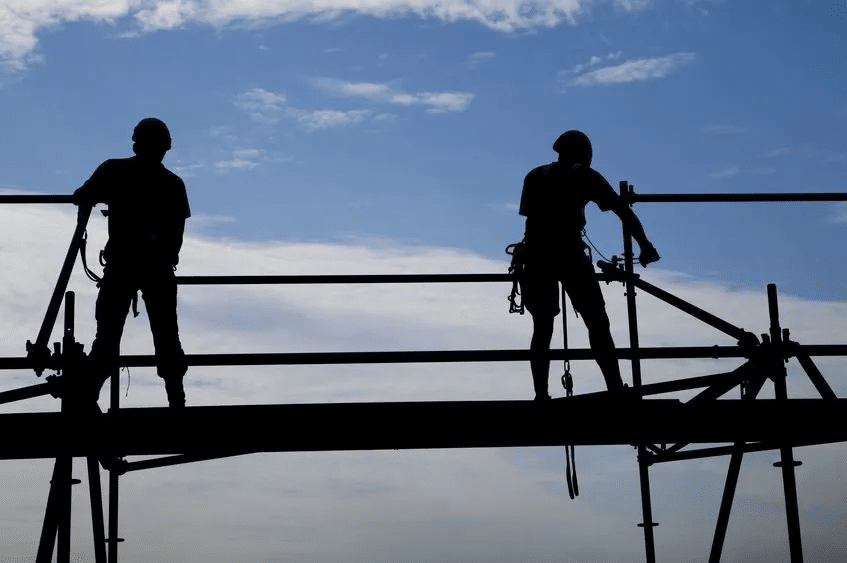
(643, 461)
(97, 523)
(786, 462)
(113, 516)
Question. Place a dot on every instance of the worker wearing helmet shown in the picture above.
(553, 201)
(148, 206)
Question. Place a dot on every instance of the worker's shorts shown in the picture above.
(540, 287)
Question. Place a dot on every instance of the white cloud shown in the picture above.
(435, 102)
(270, 107)
(632, 5)
(724, 129)
(482, 56)
(565, 75)
(263, 105)
(23, 20)
(242, 159)
(323, 119)
(775, 152)
(168, 14)
(634, 70)
(726, 173)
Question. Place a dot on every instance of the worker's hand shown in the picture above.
(648, 255)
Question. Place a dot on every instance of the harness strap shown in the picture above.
(516, 268)
(88, 271)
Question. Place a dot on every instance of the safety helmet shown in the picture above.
(574, 146)
(152, 133)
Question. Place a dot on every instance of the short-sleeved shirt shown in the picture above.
(148, 205)
(553, 201)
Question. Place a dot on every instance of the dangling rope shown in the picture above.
(567, 383)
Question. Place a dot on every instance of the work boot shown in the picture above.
(176, 392)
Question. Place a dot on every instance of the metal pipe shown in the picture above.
(97, 521)
(50, 525)
(712, 320)
(113, 516)
(816, 376)
(737, 197)
(718, 451)
(643, 464)
(731, 378)
(343, 279)
(36, 198)
(787, 463)
(176, 460)
(63, 534)
(441, 356)
(726, 505)
(29, 392)
(39, 351)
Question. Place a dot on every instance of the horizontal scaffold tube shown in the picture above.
(447, 356)
(420, 425)
(765, 197)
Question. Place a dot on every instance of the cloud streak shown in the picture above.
(636, 70)
(23, 20)
(434, 102)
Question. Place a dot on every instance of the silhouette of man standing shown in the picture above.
(148, 206)
(553, 201)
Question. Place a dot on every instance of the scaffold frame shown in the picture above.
(661, 430)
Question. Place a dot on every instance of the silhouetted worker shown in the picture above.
(553, 201)
(148, 206)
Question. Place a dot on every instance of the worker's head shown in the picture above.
(151, 138)
(573, 147)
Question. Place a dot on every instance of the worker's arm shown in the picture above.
(630, 220)
(93, 190)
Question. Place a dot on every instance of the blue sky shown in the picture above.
(385, 136)
(336, 125)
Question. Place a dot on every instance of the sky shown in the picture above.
(387, 136)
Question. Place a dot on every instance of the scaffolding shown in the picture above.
(662, 430)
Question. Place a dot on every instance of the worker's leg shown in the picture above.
(159, 293)
(113, 301)
(539, 347)
(541, 298)
(587, 300)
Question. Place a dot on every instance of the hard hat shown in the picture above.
(153, 133)
(574, 146)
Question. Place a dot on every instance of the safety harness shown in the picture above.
(92, 275)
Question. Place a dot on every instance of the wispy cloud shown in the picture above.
(242, 159)
(566, 75)
(632, 71)
(23, 20)
(263, 105)
(723, 129)
(775, 152)
(840, 215)
(435, 102)
(726, 173)
(481, 57)
(321, 120)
